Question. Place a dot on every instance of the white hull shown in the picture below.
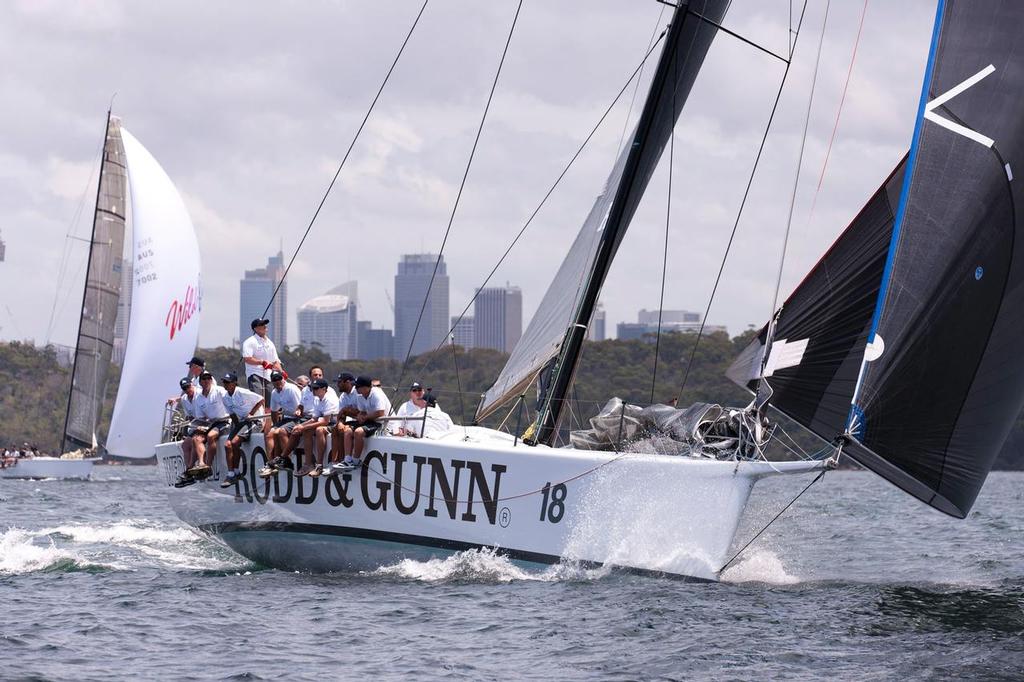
(50, 467)
(536, 504)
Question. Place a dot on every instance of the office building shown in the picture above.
(413, 293)
(255, 290)
(374, 344)
(596, 330)
(463, 332)
(682, 321)
(330, 323)
(498, 318)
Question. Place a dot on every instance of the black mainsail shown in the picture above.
(941, 377)
(553, 341)
(99, 301)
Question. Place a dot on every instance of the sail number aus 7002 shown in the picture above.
(552, 505)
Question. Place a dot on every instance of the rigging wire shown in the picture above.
(668, 222)
(799, 166)
(839, 112)
(554, 185)
(345, 158)
(743, 203)
(774, 519)
(636, 86)
(458, 196)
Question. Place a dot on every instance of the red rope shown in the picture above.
(839, 113)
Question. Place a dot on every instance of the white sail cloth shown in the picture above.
(166, 296)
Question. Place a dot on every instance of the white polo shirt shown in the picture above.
(261, 348)
(188, 405)
(285, 401)
(375, 401)
(350, 399)
(307, 402)
(241, 402)
(211, 406)
(327, 406)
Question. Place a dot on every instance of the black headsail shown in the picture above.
(693, 27)
(941, 380)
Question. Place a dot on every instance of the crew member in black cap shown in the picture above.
(415, 403)
(260, 356)
(186, 401)
(348, 400)
(247, 416)
(195, 367)
(373, 404)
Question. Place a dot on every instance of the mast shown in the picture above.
(95, 324)
(670, 86)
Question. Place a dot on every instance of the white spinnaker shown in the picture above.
(166, 294)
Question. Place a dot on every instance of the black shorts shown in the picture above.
(370, 428)
(243, 429)
(287, 424)
(219, 424)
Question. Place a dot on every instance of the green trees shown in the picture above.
(34, 387)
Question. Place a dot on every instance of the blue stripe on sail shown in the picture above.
(856, 412)
(905, 191)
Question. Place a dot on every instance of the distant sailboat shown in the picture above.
(164, 318)
(932, 265)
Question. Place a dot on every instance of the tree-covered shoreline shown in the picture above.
(34, 387)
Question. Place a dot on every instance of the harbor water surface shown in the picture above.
(99, 580)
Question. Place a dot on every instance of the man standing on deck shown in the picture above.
(260, 356)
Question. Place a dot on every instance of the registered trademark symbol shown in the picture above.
(505, 517)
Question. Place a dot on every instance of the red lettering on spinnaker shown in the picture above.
(181, 312)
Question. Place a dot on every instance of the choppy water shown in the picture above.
(99, 580)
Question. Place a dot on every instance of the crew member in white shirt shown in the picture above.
(209, 406)
(246, 408)
(306, 419)
(285, 410)
(186, 401)
(415, 403)
(325, 417)
(260, 357)
(349, 402)
(373, 404)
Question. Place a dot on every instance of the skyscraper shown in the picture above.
(411, 289)
(330, 322)
(498, 318)
(596, 331)
(375, 344)
(463, 332)
(255, 290)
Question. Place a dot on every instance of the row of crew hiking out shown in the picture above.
(327, 426)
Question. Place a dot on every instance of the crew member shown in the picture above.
(325, 417)
(246, 409)
(209, 407)
(186, 401)
(260, 357)
(349, 408)
(373, 404)
(415, 403)
(286, 410)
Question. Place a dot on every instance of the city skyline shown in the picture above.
(255, 290)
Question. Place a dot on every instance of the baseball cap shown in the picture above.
(276, 376)
(205, 375)
(230, 378)
(196, 360)
(363, 381)
(345, 376)
(317, 383)
(184, 383)
(259, 322)
(416, 386)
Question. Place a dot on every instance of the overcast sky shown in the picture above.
(250, 106)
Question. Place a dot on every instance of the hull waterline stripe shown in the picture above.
(419, 541)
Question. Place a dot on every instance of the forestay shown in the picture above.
(164, 322)
(99, 304)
